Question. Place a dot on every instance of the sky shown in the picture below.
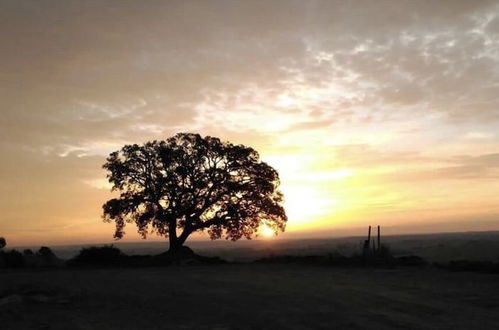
(373, 112)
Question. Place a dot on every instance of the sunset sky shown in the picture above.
(373, 112)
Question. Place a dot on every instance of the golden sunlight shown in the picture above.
(311, 189)
(266, 231)
(303, 203)
(352, 143)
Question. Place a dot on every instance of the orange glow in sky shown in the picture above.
(266, 231)
(382, 113)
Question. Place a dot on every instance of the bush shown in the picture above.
(46, 252)
(12, 259)
(381, 257)
(99, 256)
(15, 259)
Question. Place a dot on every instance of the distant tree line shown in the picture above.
(44, 257)
(111, 256)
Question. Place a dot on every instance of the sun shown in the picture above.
(266, 231)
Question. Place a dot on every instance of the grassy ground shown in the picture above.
(248, 297)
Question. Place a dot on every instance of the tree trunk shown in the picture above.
(175, 245)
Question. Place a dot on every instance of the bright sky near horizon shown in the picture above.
(373, 112)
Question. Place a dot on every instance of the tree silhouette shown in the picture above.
(3, 242)
(192, 183)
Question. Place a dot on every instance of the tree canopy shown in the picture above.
(3, 242)
(191, 183)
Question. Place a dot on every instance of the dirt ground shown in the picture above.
(248, 297)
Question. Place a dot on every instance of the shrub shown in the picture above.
(98, 256)
(12, 259)
(46, 252)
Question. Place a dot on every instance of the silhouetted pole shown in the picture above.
(367, 246)
(379, 237)
(368, 240)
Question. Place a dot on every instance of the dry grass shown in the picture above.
(248, 297)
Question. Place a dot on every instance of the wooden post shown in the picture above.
(366, 247)
(369, 235)
(379, 237)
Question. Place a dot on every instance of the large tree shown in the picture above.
(190, 183)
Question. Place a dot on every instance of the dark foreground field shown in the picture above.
(248, 297)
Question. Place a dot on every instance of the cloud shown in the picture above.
(479, 135)
(461, 168)
(484, 166)
(308, 54)
(398, 89)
